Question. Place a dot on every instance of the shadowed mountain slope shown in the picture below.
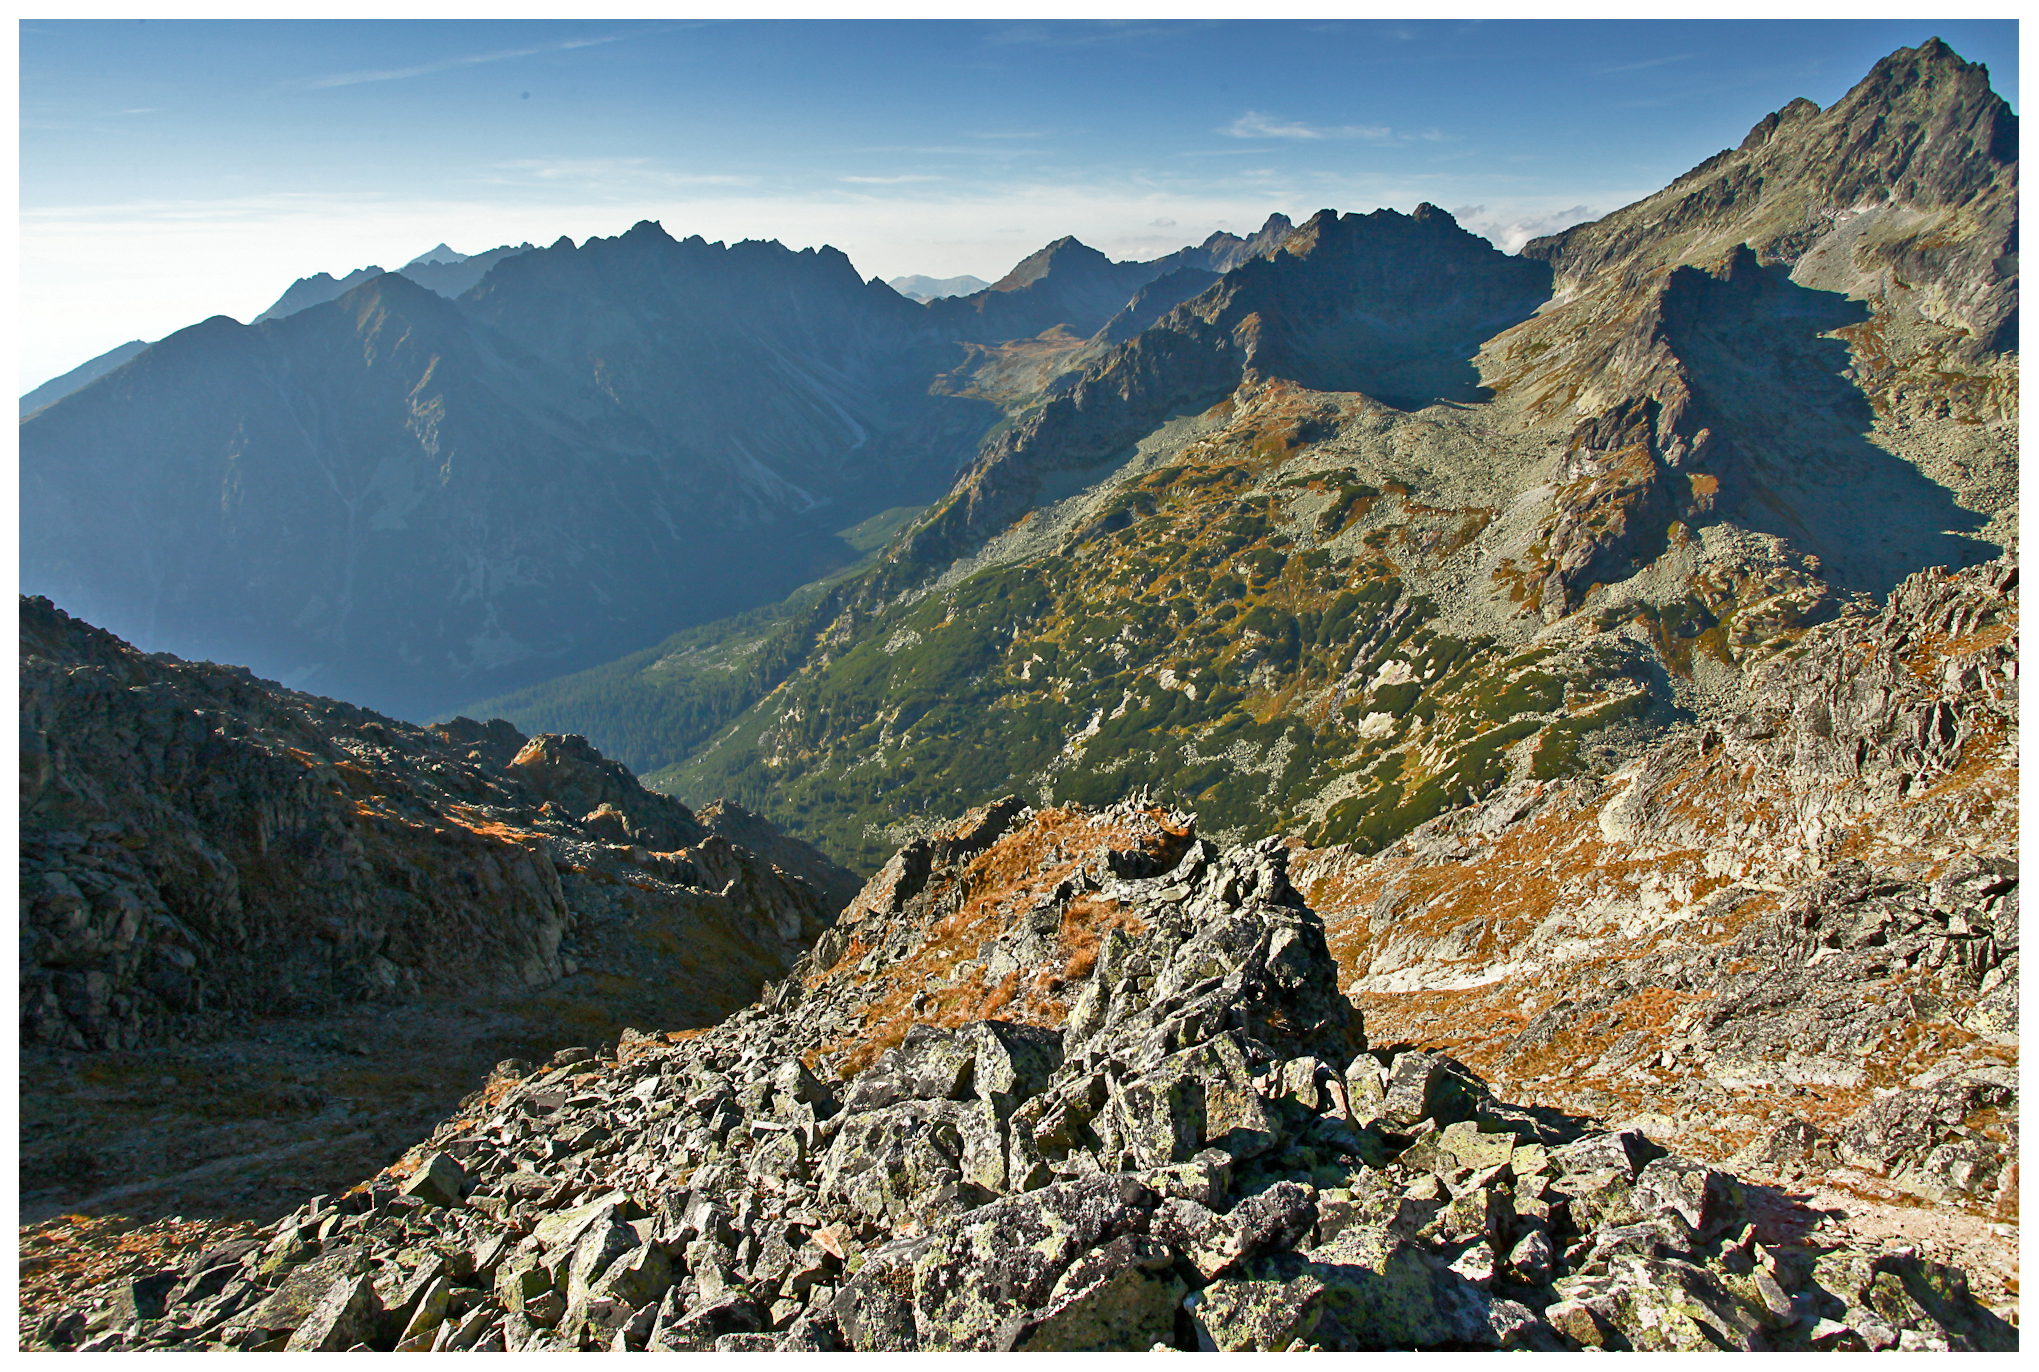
(58, 387)
(416, 501)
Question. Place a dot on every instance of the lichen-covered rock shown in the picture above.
(893, 1164)
(1116, 1297)
(347, 1314)
(1188, 1174)
(1365, 1290)
(1663, 1304)
(971, 1275)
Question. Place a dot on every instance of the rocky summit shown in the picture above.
(1059, 1079)
(1487, 790)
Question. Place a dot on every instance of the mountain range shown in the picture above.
(575, 456)
(930, 288)
(1371, 525)
(1338, 789)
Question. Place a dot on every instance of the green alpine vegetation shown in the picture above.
(1228, 631)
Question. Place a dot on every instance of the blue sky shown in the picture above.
(173, 170)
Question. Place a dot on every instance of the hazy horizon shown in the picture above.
(161, 184)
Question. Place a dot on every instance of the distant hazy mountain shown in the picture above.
(441, 270)
(933, 288)
(1065, 283)
(415, 502)
(451, 274)
(58, 387)
(439, 256)
(480, 472)
(315, 289)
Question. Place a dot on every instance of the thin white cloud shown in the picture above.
(618, 173)
(1645, 65)
(980, 150)
(1509, 232)
(1260, 124)
(1086, 34)
(357, 78)
(886, 180)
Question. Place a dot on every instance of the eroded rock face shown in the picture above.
(196, 841)
(1175, 1137)
(1787, 945)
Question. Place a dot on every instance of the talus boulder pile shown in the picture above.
(1068, 1080)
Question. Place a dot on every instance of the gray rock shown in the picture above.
(889, 1165)
(1709, 1200)
(348, 1313)
(1625, 1152)
(1427, 1086)
(1118, 1298)
(1659, 1304)
(1203, 1096)
(956, 1286)
(141, 1299)
(1532, 1258)
(1365, 1290)
(440, 1180)
(291, 1303)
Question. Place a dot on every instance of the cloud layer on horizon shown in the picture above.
(154, 267)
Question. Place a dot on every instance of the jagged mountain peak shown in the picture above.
(647, 246)
(439, 256)
(1277, 227)
(316, 289)
(1922, 131)
(1328, 230)
(1064, 254)
(1800, 108)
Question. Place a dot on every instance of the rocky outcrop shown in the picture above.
(1921, 135)
(1838, 268)
(1790, 941)
(1176, 1138)
(752, 831)
(565, 770)
(195, 841)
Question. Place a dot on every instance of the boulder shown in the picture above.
(1203, 1096)
(1625, 1152)
(1658, 1304)
(1118, 1298)
(1709, 1200)
(1428, 1086)
(957, 1286)
(1365, 1290)
(439, 1180)
(348, 1313)
(891, 1164)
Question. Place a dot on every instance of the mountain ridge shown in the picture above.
(1693, 450)
(773, 387)
(1487, 791)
